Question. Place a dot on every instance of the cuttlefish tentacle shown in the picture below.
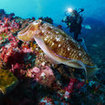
(58, 46)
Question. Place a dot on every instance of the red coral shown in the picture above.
(46, 101)
(70, 88)
(6, 52)
(13, 41)
(14, 59)
(80, 84)
(8, 26)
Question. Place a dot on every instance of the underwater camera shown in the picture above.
(70, 10)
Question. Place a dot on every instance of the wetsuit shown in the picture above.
(74, 24)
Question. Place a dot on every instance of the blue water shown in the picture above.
(54, 8)
(93, 15)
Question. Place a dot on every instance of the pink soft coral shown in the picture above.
(44, 75)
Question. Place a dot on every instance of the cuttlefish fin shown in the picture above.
(91, 70)
(79, 63)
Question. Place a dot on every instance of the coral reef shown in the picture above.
(47, 19)
(29, 77)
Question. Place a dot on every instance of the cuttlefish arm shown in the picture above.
(29, 32)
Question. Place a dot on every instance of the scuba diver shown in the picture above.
(74, 20)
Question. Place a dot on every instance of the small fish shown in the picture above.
(87, 27)
(58, 46)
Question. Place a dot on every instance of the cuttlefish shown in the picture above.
(58, 46)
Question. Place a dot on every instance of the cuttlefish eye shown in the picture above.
(37, 22)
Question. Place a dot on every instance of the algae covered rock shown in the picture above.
(7, 81)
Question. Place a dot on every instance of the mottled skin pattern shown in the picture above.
(64, 46)
(58, 43)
